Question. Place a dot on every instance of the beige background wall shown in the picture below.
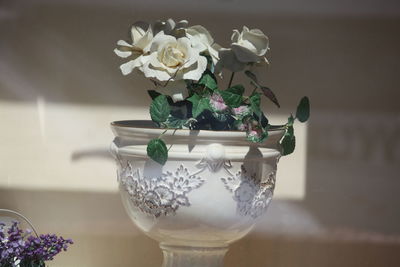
(337, 202)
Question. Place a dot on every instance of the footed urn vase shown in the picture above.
(212, 190)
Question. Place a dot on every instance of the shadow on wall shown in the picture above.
(353, 172)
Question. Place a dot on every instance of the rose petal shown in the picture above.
(192, 54)
(130, 65)
(182, 24)
(235, 36)
(123, 54)
(258, 40)
(123, 43)
(153, 69)
(145, 40)
(201, 33)
(196, 72)
(244, 54)
(213, 51)
(161, 39)
(138, 29)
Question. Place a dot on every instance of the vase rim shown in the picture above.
(148, 124)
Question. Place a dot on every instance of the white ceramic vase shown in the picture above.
(210, 193)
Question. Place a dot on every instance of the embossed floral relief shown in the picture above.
(160, 195)
(252, 195)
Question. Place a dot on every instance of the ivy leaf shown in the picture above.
(288, 142)
(303, 110)
(157, 151)
(174, 122)
(221, 121)
(263, 120)
(236, 89)
(160, 109)
(231, 99)
(259, 138)
(252, 76)
(255, 103)
(153, 93)
(208, 80)
(237, 124)
(290, 120)
(268, 93)
(199, 104)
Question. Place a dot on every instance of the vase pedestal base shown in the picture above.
(186, 256)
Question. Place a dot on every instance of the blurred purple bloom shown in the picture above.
(17, 244)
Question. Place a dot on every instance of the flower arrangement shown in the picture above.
(184, 64)
(21, 248)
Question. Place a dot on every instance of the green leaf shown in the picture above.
(174, 122)
(255, 103)
(153, 93)
(263, 120)
(237, 124)
(290, 120)
(157, 151)
(220, 117)
(261, 137)
(160, 109)
(199, 104)
(303, 110)
(236, 89)
(252, 76)
(231, 99)
(208, 79)
(268, 93)
(288, 142)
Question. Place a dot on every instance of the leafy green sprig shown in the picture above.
(210, 108)
(288, 142)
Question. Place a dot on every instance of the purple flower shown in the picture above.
(16, 244)
(217, 102)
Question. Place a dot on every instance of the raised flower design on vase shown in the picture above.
(251, 195)
(161, 195)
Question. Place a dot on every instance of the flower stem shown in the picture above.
(230, 81)
(162, 133)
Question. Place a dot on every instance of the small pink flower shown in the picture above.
(217, 102)
(242, 127)
(253, 133)
(240, 110)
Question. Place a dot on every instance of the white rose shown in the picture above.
(141, 35)
(172, 59)
(248, 47)
(202, 40)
